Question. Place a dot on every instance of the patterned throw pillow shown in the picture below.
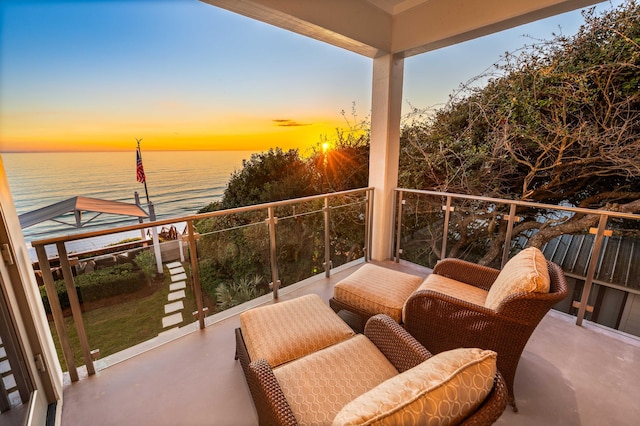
(445, 389)
(526, 272)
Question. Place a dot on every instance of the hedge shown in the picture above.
(103, 283)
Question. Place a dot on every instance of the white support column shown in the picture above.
(386, 105)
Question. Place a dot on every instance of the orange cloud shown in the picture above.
(289, 123)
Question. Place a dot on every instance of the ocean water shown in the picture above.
(179, 183)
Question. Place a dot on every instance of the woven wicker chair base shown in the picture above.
(400, 348)
(442, 322)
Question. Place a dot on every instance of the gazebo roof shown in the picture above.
(77, 205)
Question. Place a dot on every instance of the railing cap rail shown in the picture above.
(66, 238)
(524, 203)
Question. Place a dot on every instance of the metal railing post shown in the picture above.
(327, 238)
(400, 200)
(56, 311)
(195, 274)
(507, 238)
(76, 311)
(445, 227)
(271, 223)
(368, 227)
(593, 262)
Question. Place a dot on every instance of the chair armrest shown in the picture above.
(271, 405)
(492, 407)
(467, 272)
(440, 322)
(415, 303)
(270, 402)
(397, 345)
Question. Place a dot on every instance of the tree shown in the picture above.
(235, 245)
(342, 163)
(558, 122)
(269, 176)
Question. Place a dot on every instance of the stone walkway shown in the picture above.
(173, 309)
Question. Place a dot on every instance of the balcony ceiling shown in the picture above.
(406, 27)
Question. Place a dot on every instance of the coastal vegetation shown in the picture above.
(557, 122)
(99, 285)
(234, 249)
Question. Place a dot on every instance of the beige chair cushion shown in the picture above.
(319, 385)
(377, 290)
(526, 272)
(289, 330)
(443, 390)
(453, 288)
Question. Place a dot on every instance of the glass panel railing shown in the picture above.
(598, 250)
(300, 241)
(233, 259)
(348, 221)
(476, 231)
(614, 297)
(121, 295)
(104, 300)
(422, 224)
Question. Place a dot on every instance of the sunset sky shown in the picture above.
(181, 74)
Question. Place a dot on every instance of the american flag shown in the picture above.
(139, 169)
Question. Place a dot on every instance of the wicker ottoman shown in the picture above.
(374, 290)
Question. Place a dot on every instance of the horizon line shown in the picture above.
(127, 150)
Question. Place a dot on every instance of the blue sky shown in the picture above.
(181, 73)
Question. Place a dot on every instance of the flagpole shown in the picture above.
(146, 191)
(152, 212)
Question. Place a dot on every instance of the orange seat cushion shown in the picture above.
(318, 385)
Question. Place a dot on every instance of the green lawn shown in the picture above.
(120, 326)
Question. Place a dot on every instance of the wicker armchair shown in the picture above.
(442, 322)
(401, 349)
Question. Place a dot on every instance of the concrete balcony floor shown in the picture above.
(568, 375)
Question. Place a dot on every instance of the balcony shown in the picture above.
(564, 371)
(568, 374)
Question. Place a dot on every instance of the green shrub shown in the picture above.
(146, 260)
(237, 292)
(107, 282)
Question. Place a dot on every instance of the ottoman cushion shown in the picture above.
(377, 290)
(288, 330)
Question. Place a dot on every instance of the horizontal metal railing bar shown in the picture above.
(524, 203)
(320, 210)
(604, 283)
(293, 216)
(114, 249)
(199, 216)
(341, 206)
(232, 228)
